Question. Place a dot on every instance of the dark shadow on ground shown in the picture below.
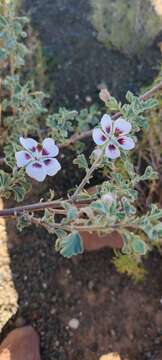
(76, 63)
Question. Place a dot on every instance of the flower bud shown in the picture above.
(108, 198)
(104, 95)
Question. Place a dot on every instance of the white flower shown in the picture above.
(108, 198)
(113, 134)
(38, 159)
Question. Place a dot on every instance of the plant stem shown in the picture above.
(81, 228)
(55, 205)
(86, 178)
(30, 207)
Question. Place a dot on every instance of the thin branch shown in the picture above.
(82, 228)
(86, 178)
(30, 207)
(55, 205)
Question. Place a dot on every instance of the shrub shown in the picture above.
(32, 139)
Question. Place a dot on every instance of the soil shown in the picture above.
(75, 62)
(114, 314)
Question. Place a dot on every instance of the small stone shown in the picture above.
(54, 298)
(68, 272)
(44, 285)
(91, 285)
(26, 303)
(74, 324)
(88, 99)
(110, 356)
(53, 311)
(112, 332)
(20, 343)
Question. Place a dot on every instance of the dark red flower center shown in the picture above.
(27, 156)
(39, 147)
(111, 147)
(47, 162)
(37, 165)
(121, 141)
(45, 152)
(103, 138)
(118, 132)
(108, 129)
(33, 149)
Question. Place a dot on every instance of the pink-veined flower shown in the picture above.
(114, 135)
(38, 159)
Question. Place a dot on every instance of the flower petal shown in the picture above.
(28, 143)
(98, 136)
(52, 166)
(22, 158)
(106, 124)
(112, 152)
(49, 148)
(36, 170)
(121, 126)
(126, 142)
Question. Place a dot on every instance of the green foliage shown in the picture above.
(133, 110)
(150, 223)
(149, 174)
(11, 34)
(133, 243)
(70, 245)
(129, 265)
(66, 122)
(61, 124)
(81, 162)
(127, 25)
(72, 213)
(16, 185)
(22, 222)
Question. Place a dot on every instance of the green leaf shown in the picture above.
(19, 192)
(72, 213)
(113, 105)
(3, 54)
(100, 207)
(139, 246)
(61, 234)
(4, 179)
(133, 242)
(129, 96)
(149, 174)
(81, 161)
(156, 213)
(22, 222)
(127, 207)
(70, 245)
(150, 104)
